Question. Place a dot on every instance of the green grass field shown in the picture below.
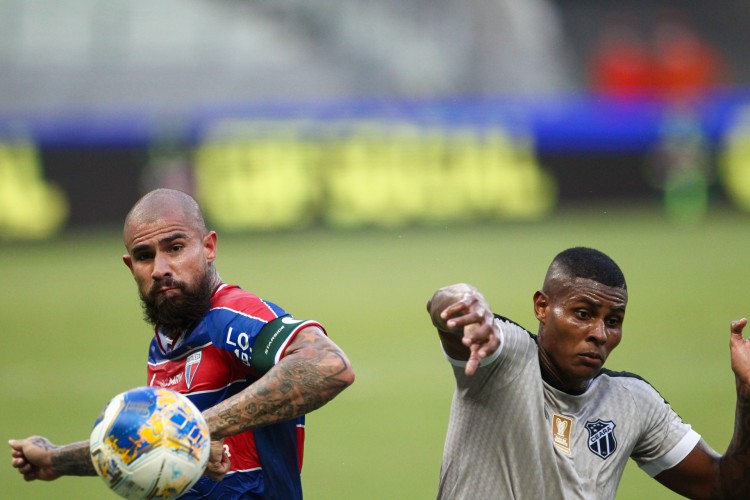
(72, 334)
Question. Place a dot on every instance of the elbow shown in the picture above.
(348, 375)
(345, 372)
(331, 368)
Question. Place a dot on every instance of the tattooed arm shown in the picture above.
(313, 371)
(706, 474)
(37, 458)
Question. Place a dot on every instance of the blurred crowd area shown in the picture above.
(175, 53)
(369, 113)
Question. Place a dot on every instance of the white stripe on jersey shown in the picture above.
(285, 344)
(673, 456)
(197, 348)
(238, 381)
(235, 311)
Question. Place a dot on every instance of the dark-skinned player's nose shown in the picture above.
(598, 332)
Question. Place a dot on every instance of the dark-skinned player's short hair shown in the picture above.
(588, 263)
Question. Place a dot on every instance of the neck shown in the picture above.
(215, 279)
(551, 374)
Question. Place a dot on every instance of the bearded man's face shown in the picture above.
(171, 258)
(179, 309)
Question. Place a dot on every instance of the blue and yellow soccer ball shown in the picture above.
(150, 442)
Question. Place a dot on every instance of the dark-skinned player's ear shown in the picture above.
(540, 305)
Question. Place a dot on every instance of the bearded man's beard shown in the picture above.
(173, 315)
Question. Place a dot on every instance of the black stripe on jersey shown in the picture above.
(614, 374)
(508, 320)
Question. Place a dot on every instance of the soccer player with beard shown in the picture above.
(253, 369)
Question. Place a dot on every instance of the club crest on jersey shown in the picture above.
(191, 367)
(602, 440)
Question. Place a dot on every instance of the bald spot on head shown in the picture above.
(160, 203)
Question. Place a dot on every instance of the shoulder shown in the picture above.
(637, 387)
(515, 334)
(517, 346)
(624, 377)
(233, 300)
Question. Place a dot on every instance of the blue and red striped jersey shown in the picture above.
(220, 358)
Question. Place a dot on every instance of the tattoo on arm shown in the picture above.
(734, 465)
(301, 382)
(73, 460)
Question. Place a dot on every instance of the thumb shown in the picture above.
(736, 329)
(738, 326)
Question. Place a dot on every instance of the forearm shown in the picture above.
(452, 345)
(734, 466)
(72, 459)
(301, 382)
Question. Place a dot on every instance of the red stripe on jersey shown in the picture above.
(241, 451)
(208, 367)
(300, 444)
(204, 370)
(234, 298)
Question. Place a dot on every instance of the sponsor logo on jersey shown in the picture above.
(562, 428)
(191, 367)
(290, 321)
(602, 440)
(171, 381)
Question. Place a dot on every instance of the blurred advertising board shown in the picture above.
(374, 163)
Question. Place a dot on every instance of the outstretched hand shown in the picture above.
(461, 311)
(739, 349)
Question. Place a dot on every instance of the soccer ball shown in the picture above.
(150, 442)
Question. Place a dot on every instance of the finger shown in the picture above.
(736, 329)
(738, 326)
(473, 362)
(462, 304)
(473, 316)
(454, 308)
(476, 333)
(488, 348)
(457, 316)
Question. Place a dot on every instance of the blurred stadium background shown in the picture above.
(386, 148)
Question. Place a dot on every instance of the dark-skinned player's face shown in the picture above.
(580, 324)
(170, 261)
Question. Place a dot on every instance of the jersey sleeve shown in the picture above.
(274, 338)
(666, 440)
(256, 332)
(502, 367)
